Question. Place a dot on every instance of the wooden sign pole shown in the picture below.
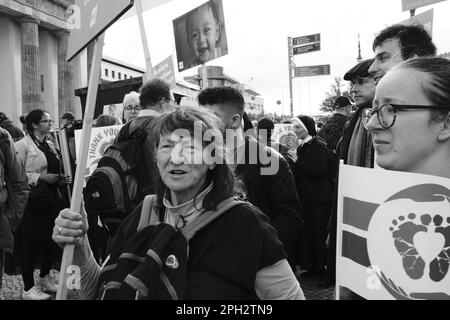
(148, 60)
(76, 202)
(204, 77)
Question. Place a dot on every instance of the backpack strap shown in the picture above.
(149, 216)
(205, 218)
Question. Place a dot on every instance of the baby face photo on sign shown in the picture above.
(200, 35)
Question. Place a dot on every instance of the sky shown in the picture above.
(257, 32)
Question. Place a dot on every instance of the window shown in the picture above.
(113, 74)
(42, 83)
(125, 76)
(120, 76)
(106, 73)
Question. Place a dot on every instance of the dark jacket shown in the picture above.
(333, 129)
(274, 191)
(146, 172)
(224, 256)
(14, 190)
(313, 173)
(15, 132)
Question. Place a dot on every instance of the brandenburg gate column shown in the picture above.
(31, 80)
(66, 87)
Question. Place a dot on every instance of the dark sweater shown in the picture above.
(274, 192)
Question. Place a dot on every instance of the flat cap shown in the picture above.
(360, 70)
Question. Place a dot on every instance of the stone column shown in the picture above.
(31, 79)
(67, 100)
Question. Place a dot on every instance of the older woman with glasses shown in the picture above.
(236, 256)
(34, 244)
(410, 119)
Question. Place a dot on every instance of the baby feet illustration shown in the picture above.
(403, 233)
(439, 266)
(421, 244)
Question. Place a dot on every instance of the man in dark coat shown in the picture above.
(14, 192)
(261, 173)
(332, 130)
(355, 147)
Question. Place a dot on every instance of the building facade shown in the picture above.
(254, 102)
(34, 37)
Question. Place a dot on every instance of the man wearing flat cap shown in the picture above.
(355, 147)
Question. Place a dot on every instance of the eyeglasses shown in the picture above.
(387, 113)
(134, 108)
(47, 121)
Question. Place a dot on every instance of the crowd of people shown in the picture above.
(281, 224)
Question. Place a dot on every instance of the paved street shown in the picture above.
(12, 288)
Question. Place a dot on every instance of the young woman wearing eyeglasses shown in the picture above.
(410, 118)
(34, 245)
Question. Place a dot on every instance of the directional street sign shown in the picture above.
(306, 49)
(425, 19)
(414, 4)
(311, 71)
(306, 39)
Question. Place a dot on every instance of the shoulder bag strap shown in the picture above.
(205, 218)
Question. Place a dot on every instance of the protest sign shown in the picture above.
(92, 18)
(284, 135)
(192, 45)
(393, 237)
(165, 70)
(100, 140)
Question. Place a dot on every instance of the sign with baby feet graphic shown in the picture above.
(393, 235)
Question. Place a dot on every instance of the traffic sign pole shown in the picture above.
(290, 63)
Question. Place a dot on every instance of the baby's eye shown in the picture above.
(194, 35)
(165, 146)
(207, 30)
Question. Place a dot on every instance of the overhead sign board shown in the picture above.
(307, 48)
(306, 39)
(90, 19)
(311, 71)
(425, 19)
(414, 4)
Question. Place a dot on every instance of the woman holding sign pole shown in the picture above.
(228, 248)
(44, 171)
(410, 118)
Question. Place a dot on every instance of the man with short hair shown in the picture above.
(333, 129)
(67, 119)
(155, 98)
(15, 132)
(398, 43)
(265, 177)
